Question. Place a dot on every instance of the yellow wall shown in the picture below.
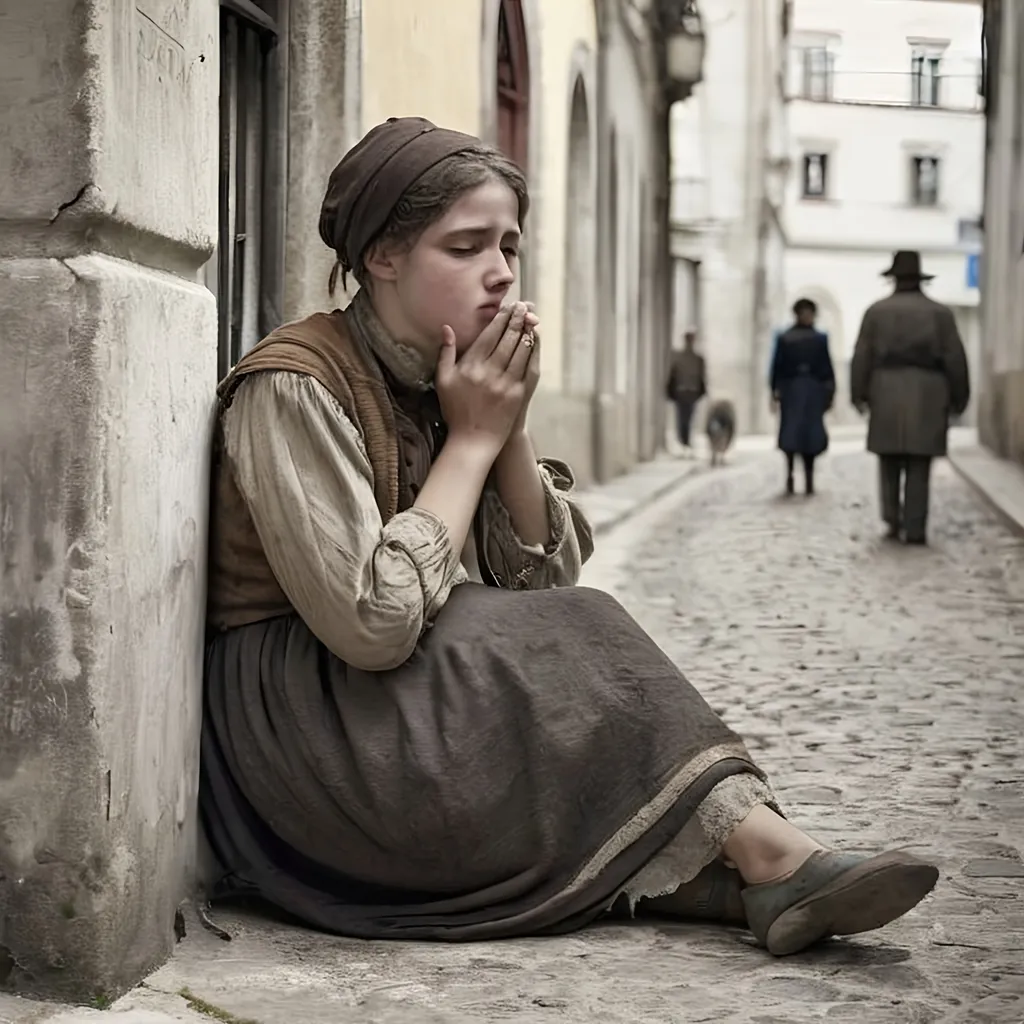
(419, 62)
(416, 62)
(565, 24)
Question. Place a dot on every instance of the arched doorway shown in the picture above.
(513, 100)
(579, 348)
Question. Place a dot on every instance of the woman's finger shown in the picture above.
(490, 336)
(507, 346)
(523, 357)
(446, 357)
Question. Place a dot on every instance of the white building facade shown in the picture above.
(728, 172)
(887, 136)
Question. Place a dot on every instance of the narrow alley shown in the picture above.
(879, 686)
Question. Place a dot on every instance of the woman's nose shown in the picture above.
(499, 273)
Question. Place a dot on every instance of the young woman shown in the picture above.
(803, 386)
(392, 749)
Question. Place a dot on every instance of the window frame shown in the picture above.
(825, 158)
(927, 58)
(918, 197)
(246, 270)
(809, 73)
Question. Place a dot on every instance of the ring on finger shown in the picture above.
(528, 339)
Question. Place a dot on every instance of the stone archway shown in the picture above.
(579, 342)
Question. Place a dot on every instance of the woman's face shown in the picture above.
(458, 273)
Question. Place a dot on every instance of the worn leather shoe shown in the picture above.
(835, 894)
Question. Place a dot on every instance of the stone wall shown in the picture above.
(1001, 402)
(635, 272)
(108, 207)
(323, 101)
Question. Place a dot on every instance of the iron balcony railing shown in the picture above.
(957, 92)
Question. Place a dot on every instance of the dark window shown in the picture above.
(815, 175)
(924, 172)
(925, 80)
(817, 73)
(243, 268)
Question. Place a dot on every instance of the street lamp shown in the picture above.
(684, 46)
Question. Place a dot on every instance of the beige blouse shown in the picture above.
(365, 589)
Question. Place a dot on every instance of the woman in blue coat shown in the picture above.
(803, 386)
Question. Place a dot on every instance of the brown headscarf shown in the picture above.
(365, 187)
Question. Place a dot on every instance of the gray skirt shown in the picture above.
(536, 754)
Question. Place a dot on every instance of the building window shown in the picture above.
(818, 64)
(815, 175)
(513, 84)
(925, 79)
(241, 273)
(924, 171)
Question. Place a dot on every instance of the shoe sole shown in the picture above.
(868, 896)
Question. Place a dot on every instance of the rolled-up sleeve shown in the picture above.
(520, 566)
(365, 589)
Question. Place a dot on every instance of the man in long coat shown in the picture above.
(910, 374)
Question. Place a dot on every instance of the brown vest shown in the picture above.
(396, 427)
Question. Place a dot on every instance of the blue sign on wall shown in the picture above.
(973, 270)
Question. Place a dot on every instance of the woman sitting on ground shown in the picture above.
(416, 725)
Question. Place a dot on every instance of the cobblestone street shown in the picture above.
(879, 685)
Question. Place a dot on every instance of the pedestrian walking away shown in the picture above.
(687, 385)
(803, 386)
(909, 375)
(416, 724)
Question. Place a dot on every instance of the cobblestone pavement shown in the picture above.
(880, 686)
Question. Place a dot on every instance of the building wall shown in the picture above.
(636, 337)
(562, 230)
(321, 73)
(1001, 405)
(108, 204)
(839, 244)
(569, 58)
(728, 142)
(416, 63)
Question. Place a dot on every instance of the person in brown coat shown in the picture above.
(909, 373)
(687, 385)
